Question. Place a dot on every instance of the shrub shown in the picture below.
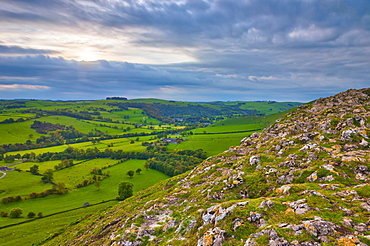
(31, 215)
(15, 212)
(4, 214)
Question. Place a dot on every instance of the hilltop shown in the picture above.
(302, 181)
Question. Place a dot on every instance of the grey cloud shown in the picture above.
(23, 16)
(93, 80)
(20, 50)
(242, 23)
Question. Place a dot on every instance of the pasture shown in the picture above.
(77, 197)
(17, 132)
(212, 144)
(134, 116)
(20, 183)
(38, 230)
(81, 125)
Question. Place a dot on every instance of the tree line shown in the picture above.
(177, 162)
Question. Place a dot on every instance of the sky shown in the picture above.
(187, 50)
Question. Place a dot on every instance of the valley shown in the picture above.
(72, 139)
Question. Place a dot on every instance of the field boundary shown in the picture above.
(61, 212)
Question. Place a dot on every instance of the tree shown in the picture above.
(125, 189)
(138, 171)
(9, 159)
(34, 169)
(97, 184)
(48, 176)
(15, 212)
(130, 173)
(39, 214)
(146, 166)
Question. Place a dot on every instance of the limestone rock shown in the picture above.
(312, 177)
(254, 160)
(319, 227)
(299, 206)
(213, 237)
(267, 203)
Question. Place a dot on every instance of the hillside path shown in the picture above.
(14, 164)
(6, 168)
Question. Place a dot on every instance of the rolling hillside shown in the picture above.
(302, 181)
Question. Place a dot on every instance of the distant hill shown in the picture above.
(302, 181)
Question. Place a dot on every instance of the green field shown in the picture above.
(228, 128)
(25, 166)
(20, 183)
(17, 132)
(212, 144)
(15, 116)
(229, 134)
(77, 197)
(38, 230)
(136, 116)
(80, 125)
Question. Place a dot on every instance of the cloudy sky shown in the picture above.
(191, 50)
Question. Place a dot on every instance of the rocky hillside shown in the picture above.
(303, 181)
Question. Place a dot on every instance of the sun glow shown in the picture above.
(88, 55)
